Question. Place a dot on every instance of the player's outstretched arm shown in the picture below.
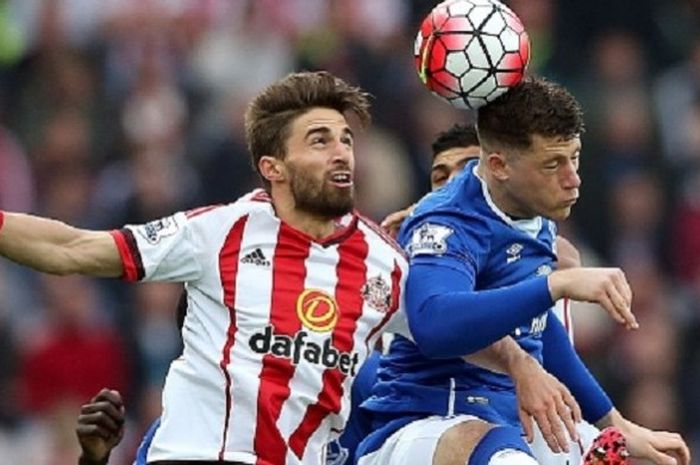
(660, 447)
(605, 286)
(100, 427)
(541, 396)
(54, 247)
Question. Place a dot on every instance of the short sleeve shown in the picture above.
(161, 250)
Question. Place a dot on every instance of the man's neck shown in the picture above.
(499, 196)
(315, 226)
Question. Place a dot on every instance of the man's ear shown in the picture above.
(271, 168)
(497, 165)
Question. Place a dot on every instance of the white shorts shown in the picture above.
(544, 455)
(415, 443)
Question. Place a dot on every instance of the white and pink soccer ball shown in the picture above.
(469, 52)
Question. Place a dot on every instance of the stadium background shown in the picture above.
(120, 111)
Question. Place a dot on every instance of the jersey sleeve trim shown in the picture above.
(129, 253)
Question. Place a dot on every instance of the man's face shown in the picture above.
(544, 180)
(320, 163)
(449, 163)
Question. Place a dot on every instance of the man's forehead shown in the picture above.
(556, 144)
(321, 117)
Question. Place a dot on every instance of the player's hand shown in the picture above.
(567, 255)
(100, 426)
(605, 286)
(393, 222)
(542, 398)
(659, 447)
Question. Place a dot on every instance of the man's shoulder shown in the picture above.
(252, 202)
(376, 234)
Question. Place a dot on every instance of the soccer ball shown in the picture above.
(469, 52)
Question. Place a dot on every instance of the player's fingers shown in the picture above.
(85, 430)
(615, 296)
(608, 306)
(109, 395)
(674, 443)
(106, 408)
(545, 426)
(624, 285)
(558, 429)
(573, 405)
(526, 421)
(101, 420)
(622, 305)
(394, 219)
(660, 458)
(566, 415)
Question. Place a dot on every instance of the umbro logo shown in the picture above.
(513, 252)
(256, 257)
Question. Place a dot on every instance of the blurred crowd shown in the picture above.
(122, 111)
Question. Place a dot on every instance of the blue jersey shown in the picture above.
(459, 228)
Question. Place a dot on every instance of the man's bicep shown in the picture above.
(429, 277)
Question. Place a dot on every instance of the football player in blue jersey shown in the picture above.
(483, 267)
(452, 149)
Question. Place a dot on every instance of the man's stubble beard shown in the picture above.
(319, 198)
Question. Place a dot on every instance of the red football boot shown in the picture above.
(609, 448)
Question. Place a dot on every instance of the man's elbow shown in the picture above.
(431, 342)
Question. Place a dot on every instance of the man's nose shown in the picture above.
(571, 178)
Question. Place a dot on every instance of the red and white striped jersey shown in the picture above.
(277, 326)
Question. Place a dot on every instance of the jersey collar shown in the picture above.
(529, 226)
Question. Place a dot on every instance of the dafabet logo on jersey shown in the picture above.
(317, 310)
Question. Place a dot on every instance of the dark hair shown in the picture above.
(270, 114)
(457, 136)
(534, 106)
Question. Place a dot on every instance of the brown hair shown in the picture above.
(269, 115)
(534, 106)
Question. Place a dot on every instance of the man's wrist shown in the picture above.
(521, 364)
(85, 460)
(515, 358)
(555, 285)
(612, 418)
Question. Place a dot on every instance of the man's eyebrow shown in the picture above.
(561, 154)
(325, 130)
